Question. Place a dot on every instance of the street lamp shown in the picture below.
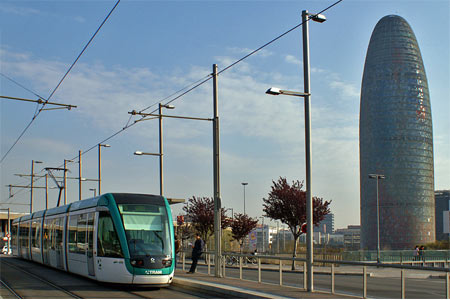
(306, 95)
(31, 185)
(161, 178)
(95, 191)
(244, 184)
(100, 166)
(152, 154)
(378, 177)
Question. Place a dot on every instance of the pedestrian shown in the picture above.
(177, 248)
(197, 250)
(421, 252)
(416, 253)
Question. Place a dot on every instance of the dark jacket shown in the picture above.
(198, 248)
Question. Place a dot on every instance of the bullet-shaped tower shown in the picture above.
(396, 140)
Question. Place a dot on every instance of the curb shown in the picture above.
(215, 288)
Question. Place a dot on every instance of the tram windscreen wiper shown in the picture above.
(160, 238)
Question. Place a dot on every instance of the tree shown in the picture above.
(287, 203)
(241, 226)
(200, 210)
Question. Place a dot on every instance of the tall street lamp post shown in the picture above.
(152, 154)
(378, 177)
(100, 166)
(306, 95)
(95, 191)
(244, 184)
(161, 178)
(31, 184)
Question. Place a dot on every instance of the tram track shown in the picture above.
(25, 279)
(38, 278)
(10, 289)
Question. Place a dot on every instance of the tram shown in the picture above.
(115, 237)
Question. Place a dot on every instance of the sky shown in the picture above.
(148, 50)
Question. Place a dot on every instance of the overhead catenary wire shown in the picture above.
(59, 84)
(180, 93)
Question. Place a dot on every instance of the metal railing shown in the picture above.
(209, 257)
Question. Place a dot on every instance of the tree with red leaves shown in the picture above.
(200, 210)
(287, 203)
(241, 226)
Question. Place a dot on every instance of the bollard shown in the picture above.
(240, 267)
(281, 272)
(224, 266)
(402, 275)
(364, 282)
(184, 260)
(447, 285)
(209, 263)
(304, 276)
(259, 269)
(332, 278)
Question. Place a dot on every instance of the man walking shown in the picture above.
(197, 250)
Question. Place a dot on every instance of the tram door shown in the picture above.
(90, 244)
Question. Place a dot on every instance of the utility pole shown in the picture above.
(100, 166)
(161, 183)
(216, 171)
(31, 184)
(79, 175)
(65, 180)
(46, 191)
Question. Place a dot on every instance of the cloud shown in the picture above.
(293, 60)
(345, 89)
(246, 51)
(79, 19)
(20, 11)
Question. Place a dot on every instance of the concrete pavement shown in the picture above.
(236, 288)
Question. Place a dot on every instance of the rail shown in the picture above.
(331, 263)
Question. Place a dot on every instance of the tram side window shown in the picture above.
(73, 233)
(35, 234)
(108, 244)
(58, 225)
(47, 236)
(14, 235)
(81, 233)
(24, 230)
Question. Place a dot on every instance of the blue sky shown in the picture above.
(149, 49)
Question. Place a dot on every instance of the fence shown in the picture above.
(331, 263)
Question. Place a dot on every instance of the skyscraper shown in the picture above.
(396, 140)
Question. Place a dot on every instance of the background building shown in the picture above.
(351, 237)
(442, 199)
(326, 226)
(396, 140)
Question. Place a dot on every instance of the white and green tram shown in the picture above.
(118, 238)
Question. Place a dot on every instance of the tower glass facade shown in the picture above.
(396, 140)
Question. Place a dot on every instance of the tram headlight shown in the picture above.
(167, 262)
(139, 263)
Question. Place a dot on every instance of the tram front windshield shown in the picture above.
(147, 229)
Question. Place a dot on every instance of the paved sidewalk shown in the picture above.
(236, 288)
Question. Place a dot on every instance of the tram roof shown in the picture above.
(91, 202)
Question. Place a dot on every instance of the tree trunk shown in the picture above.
(294, 255)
